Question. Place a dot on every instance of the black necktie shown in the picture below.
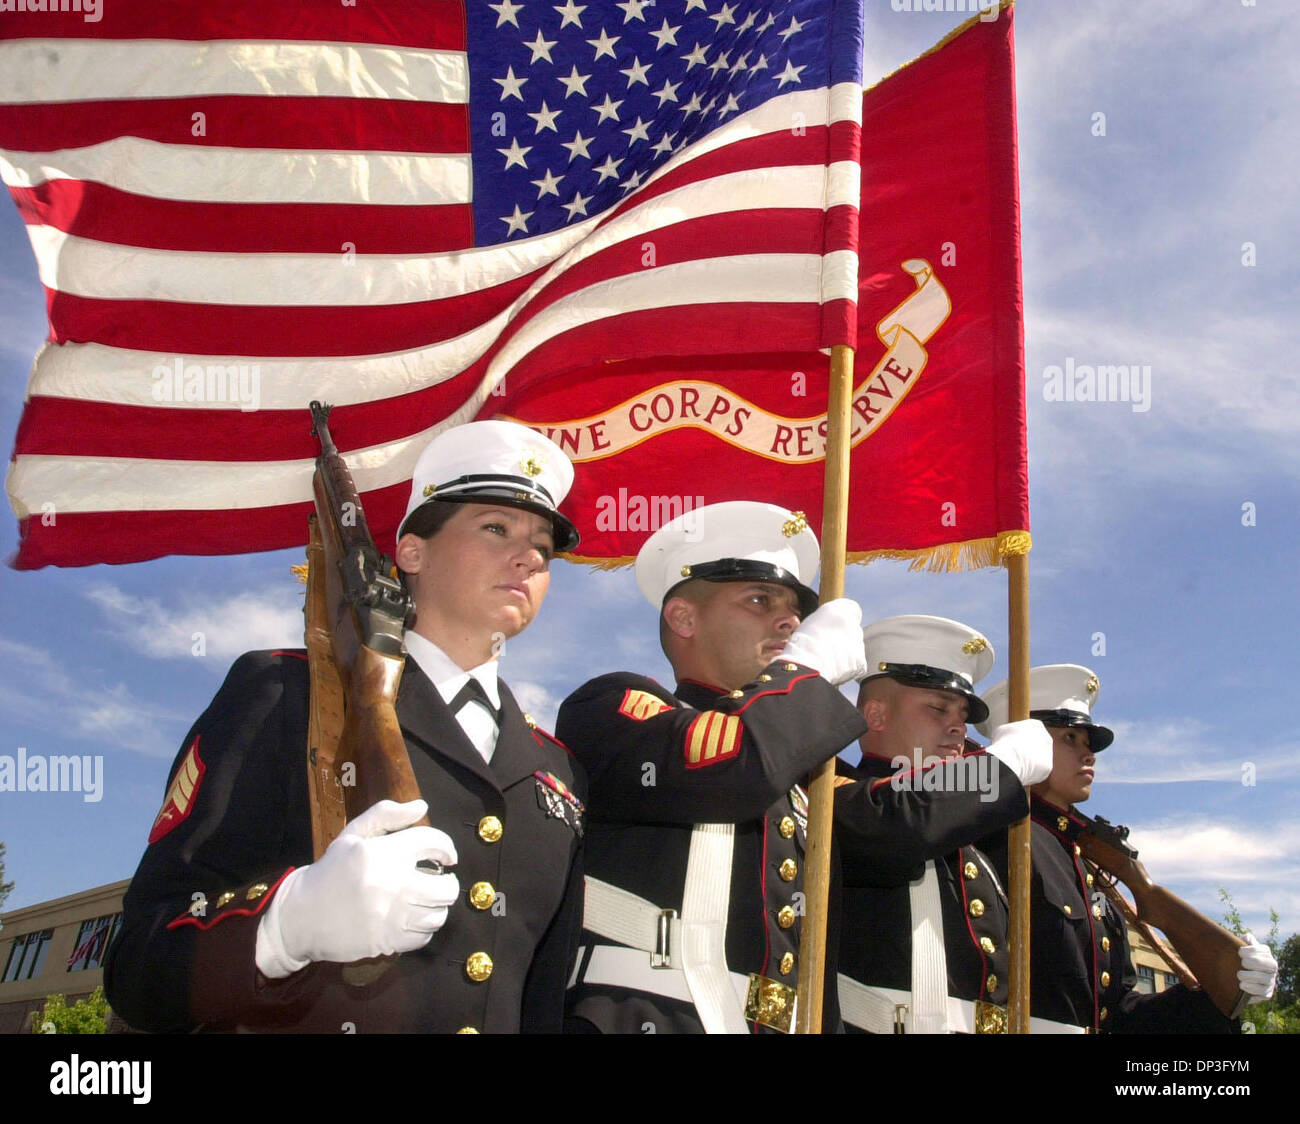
(473, 692)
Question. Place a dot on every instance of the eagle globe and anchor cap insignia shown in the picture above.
(731, 417)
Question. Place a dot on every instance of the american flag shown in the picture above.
(414, 211)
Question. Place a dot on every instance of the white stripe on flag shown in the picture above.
(83, 484)
(840, 276)
(108, 271)
(756, 278)
(220, 175)
(68, 70)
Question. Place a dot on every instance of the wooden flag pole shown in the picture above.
(821, 790)
(1018, 835)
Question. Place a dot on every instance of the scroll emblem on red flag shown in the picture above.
(732, 417)
(179, 801)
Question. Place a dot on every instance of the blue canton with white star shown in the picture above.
(573, 106)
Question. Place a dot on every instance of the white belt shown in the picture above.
(629, 967)
(874, 1009)
(692, 948)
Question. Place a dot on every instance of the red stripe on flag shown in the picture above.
(243, 330)
(136, 536)
(105, 214)
(440, 26)
(72, 427)
(326, 123)
(176, 327)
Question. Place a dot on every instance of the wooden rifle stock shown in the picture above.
(1209, 951)
(357, 611)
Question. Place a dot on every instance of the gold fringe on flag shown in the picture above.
(600, 563)
(973, 554)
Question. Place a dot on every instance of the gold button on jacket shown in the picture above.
(478, 967)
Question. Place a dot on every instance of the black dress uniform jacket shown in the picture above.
(181, 963)
(886, 833)
(1080, 969)
(653, 779)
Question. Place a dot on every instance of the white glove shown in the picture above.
(1258, 975)
(1024, 747)
(830, 642)
(363, 897)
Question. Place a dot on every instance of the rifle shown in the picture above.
(357, 610)
(1209, 950)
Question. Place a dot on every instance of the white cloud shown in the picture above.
(1176, 751)
(537, 701)
(1257, 865)
(228, 624)
(39, 692)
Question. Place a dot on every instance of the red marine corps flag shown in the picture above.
(420, 213)
(938, 412)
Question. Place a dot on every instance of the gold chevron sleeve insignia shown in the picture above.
(713, 737)
(179, 801)
(640, 705)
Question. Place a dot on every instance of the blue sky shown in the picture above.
(1133, 247)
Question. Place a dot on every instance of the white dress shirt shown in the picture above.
(448, 677)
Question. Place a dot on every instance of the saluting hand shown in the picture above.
(364, 896)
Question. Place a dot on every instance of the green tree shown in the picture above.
(85, 1016)
(1288, 971)
(5, 887)
(1281, 1014)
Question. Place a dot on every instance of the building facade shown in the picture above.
(56, 948)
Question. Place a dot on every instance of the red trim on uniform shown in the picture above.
(929, 764)
(537, 730)
(776, 691)
(188, 918)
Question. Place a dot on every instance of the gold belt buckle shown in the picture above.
(990, 1018)
(770, 1003)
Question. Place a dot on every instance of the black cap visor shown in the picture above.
(499, 490)
(935, 679)
(1099, 737)
(750, 570)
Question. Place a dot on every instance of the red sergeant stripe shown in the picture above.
(436, 25)
(105, 214)
(70, 427)
(188, 328)
(330, 124)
